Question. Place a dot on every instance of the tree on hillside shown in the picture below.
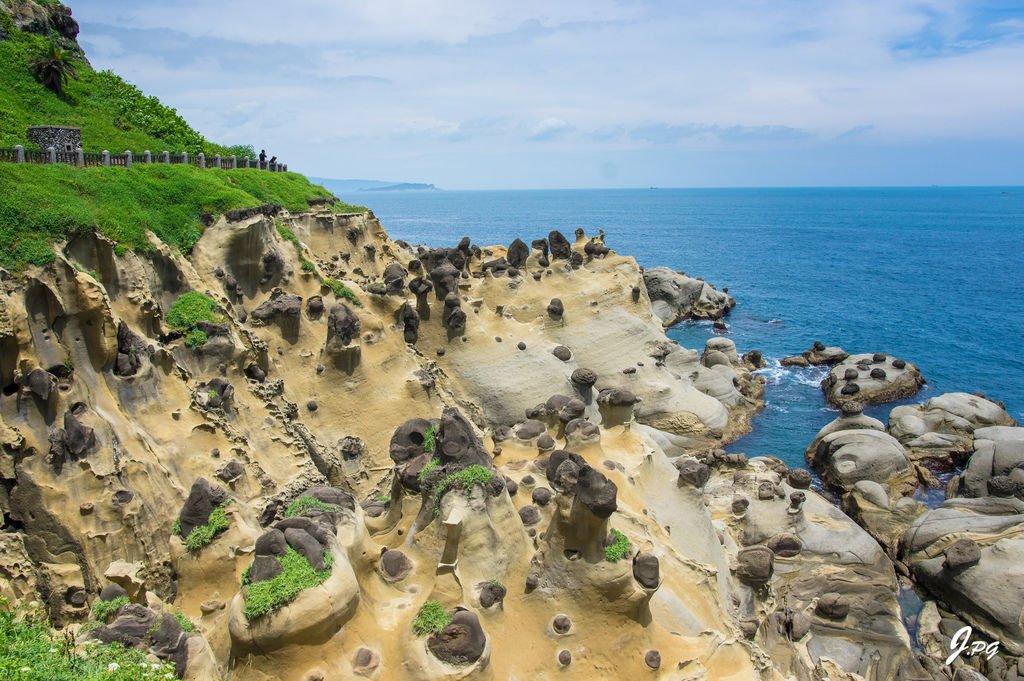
(53, 67)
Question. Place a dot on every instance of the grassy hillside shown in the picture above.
(112, 113)
(41, 204)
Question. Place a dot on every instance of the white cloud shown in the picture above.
(407, 80)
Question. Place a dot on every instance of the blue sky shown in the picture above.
(482, 94)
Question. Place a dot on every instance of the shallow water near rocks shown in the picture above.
(931, 275)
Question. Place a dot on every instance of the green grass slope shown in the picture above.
(43, 204)
(40, 204)
(113, 114)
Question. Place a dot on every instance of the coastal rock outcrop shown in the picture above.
(871, 379)
(676, 297)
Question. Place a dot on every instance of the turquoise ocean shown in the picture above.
(932, 275)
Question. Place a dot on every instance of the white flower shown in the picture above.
(113, 667)
(153, 665)
(26, 669)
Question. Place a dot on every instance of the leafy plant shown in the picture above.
(203, 535)
(383, 498)
(461, 479)
(432, 464)
(187, 625)
(32, 650)
(308, 266)
(496, 582)
(618, 549)
(296, 576)
(69, 363)
(196, 338)
(176, 526)
(430, 439)
(191, 308)
(53, 68)
(288, 235)
(431, 618)
(342, 291)
(101, 610)
(306, 503)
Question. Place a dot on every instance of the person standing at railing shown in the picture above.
(263, 159)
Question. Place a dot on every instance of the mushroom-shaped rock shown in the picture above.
(596, 492)
(410, 320)
(394, 278)
(492, 593)
(395, 565)
(461, 642)
(456, 440)
(556, 309)
(306, 545)
(342, 326)
(755, 564)
(560, 247)
(652, 658)
(202, 499)
(281, 305)
(407, 440)
(530, 515)
(445, 278)
(692, 472)
(800, 478)
(264, 568)
(271, 543)
(563, 353)
(517, 254)
(647, 570)
(583, 378)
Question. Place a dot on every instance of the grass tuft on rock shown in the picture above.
(101, 610)
(462, 479)
(307, 503)
(342, 291)
(191, 308)
(432, 464)
(196, 338)
(296, 576)
(431, 618)
(187, 625)
(618, 549)
(430, 439)
(31, 649)
(204, 534)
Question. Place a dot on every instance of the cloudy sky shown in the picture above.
(482, 94)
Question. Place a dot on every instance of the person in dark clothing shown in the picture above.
(263, 158)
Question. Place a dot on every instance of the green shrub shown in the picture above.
(204, 534)
(101, 610)
(384, 498)
(196, 338)
(430, 439)
(191, 308)
(342, 291)
(308, 266)
(32, 650)
(296, 576)
(305, 503)
(618, 549)
(187, 625)
(176, 526)
(431, 619)
(461, 479)
(288, 235)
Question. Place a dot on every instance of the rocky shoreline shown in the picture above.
(474, 462)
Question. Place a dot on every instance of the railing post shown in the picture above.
(234, 162)
(202, 160)
(106, 158)
(19, 154)
(127, 158)
(147, 157)
(245, 161)
(51, 155)
(216, 161)
(165, 157)
(80, 157)
(284, 168)
(184, 157)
